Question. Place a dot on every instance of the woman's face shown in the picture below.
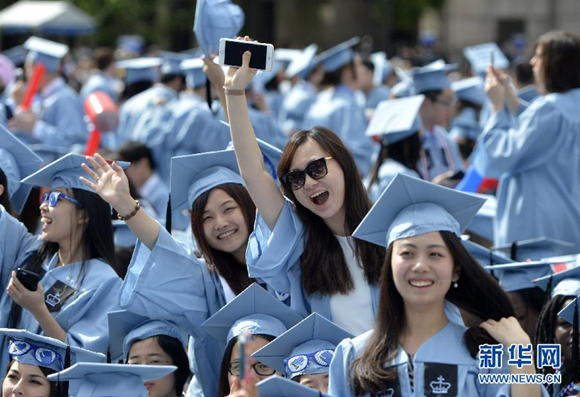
(423, 269)
(537, 67)
(251, 347)
(224, 225)
(563, 334)
(61, 222)
(25, 380)
(315, 381)
(148, 352)
(325, 196)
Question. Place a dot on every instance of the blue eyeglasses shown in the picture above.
(299, 362)
(53, 198)
(44, 356)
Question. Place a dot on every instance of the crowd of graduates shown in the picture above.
(343, 225)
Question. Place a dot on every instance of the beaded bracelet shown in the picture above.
(234, 92)
(132, 214)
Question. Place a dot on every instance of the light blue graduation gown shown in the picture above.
(295, 106)
(466, 125)
(376, 96)
(387, 171)
(444, 354)
(100, 82)
(539, 163)
(339, 110)
(62, 118)
(443, 153)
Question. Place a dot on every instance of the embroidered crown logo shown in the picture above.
(440, 387)
(53, 300)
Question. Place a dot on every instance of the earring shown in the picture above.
(455, 285)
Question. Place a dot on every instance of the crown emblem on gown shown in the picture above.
(440, 387)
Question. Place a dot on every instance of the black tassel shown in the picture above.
(208, 93)
(575, 345)
(168, 215)
(514, 251)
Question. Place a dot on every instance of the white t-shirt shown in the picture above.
(354, 311)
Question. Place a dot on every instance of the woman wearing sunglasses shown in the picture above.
(74, 257)
(302, 246)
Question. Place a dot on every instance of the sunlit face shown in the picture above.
(423, 269)
(537, 67)
(25, 380)
(224, 225)
(251, 347)
(148, 352)
(527, 316)
(63, 223)
(563, 334)
(315, 381)
(325, 196)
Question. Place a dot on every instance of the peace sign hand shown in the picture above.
(110, 182)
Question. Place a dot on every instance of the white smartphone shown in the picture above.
(231, 52)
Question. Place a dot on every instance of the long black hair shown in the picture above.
(96, 242)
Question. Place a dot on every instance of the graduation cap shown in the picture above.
(383, 68)
(470, 90)
(256, 311)
(277, 386)
(561, 283)
(194, 75)
(17, 161)
(126, 327)
(338, 56)
(216, 19)
(315, 335)
(32, 349)
(140, 69)
(64, 172)
(520, 275)
(47, 52)
(171, 62)
(303, 62)
(485, 256)
(431, 77)
(537, 248)
(396, 119)
(111, 380)
(411, 207)
(480, 56)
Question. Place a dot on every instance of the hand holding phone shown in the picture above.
(29, 279)
(231, 51)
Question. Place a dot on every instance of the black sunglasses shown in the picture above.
(316, 169)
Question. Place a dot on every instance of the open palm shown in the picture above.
(110, 181)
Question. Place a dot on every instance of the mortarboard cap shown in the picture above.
(313, 334)
(126, 327)
(411, 207)
(277, 386)
(396, 119)
(431, 77)
(303, 62)
(567, 313)
(171, 62)
(383, 68)
(216, 19)
(140, 69)
(556, 279)
(64, 172)
(17, 161)
(30, 348)
(47, 52)
(194, 75)
(479, 57)
(484, 256)
(537, 248)
(111, 380)
(520, 275)
(256, 311)
(338, 56)
(470, 90)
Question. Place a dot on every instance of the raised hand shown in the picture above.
(239, 78)
(110, 182)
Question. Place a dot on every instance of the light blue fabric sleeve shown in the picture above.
(272, 255)
(339, 383)
(62, 122)
(165, 283)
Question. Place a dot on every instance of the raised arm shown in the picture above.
(110, 182)
(262, 188)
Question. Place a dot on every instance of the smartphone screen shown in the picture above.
(234, 51)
